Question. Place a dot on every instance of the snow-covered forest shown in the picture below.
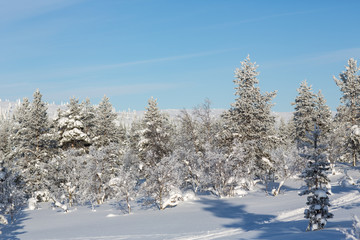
(87, 155)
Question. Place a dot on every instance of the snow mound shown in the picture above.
(111, 215)
(32, 204)
(189, 196)
(175, 196)
(240, 192)
(346, 181)
(320, 194)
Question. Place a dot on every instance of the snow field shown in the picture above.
(254, 216)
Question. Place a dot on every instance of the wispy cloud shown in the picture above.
(112, 91)
(264, 18)
(322, 58)
(153, 60)
(76, 71)
(21, 9)
(336, 56)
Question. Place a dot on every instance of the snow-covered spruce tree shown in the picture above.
(155, 137)
(249, 120)
(39, 124)
(6, 126)
(325, 122)
(304, 115)
(348, 114)
(323, 118)
(31, 144)
(316, 180)
(88, 118)
(105, 128)
(71, 128)
(20, 136)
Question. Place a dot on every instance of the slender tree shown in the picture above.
(348, 116)
(105, 128)
(304, 115)
(316, 180)
(155, 141)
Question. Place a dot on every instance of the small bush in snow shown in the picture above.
(354, 233)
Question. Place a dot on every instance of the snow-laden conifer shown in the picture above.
(348, 114)
(71, 128)
(323, 117)
(304, 115)
(39, 124)
(105, 128)
(20, 137)
(155, 136)
(349, 84)
(316, 180)
(31, 143)
(249, 120)
(88, 118)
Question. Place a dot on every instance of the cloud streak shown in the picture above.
(264, 18)
(147, 61)
(341, 55)
(112, 91)
(68, 72)
(21, 9)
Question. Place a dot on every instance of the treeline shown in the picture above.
(84, 157)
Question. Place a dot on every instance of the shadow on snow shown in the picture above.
(265, 225)
(12, 231)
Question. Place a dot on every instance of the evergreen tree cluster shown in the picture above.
(86, 156)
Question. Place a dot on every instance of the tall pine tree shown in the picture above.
(105, 128)
(304, 115)
(155, 138)
(249, 120)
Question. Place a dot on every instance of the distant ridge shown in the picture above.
(126, 117)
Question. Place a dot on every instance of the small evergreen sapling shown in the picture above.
(316, 180)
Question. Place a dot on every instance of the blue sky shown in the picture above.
(179, 52)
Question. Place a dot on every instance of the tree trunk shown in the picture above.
(354, 158)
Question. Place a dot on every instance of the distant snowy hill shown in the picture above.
(125, 117)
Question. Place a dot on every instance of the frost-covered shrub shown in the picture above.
(163, 181)
(354, 233)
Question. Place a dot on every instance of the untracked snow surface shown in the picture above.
(254, 216)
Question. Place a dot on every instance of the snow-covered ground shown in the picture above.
(254, 216)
